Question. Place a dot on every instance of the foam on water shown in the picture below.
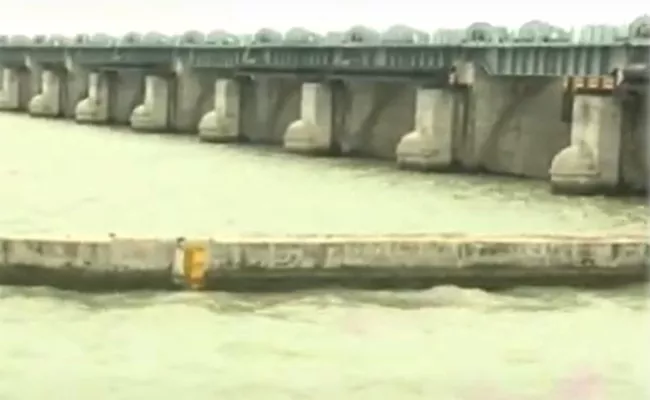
(444, 343)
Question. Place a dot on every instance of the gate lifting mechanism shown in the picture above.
(628, 83)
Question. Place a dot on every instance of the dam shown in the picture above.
(538, 102)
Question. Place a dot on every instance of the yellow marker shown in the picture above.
(194, 265)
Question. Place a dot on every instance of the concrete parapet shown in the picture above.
(278, 263)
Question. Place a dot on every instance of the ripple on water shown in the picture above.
(442, 343)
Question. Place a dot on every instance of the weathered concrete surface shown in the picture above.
(514, 125)
(47, 103)
(91, 264)
(192, 96)
(222, 123)
(19, 85)
(371, 117)
(430, 146)
(591, 164)
(351, 118)
(635, 150)
(126, 92)
(10, 89)
(93, 109)
(75, 88)
(60, 91)
(313, 131)
(153, 113)
(112, 97)
(269, 105)
(256, 110)
(116, 263)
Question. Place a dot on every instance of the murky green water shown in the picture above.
(442, 344)
(59, 177)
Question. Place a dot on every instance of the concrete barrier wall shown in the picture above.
(514, 125)
(382, 261)
(373, 117)
(126, 92)
(269, 105)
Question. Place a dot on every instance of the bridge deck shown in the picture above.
(536, 49)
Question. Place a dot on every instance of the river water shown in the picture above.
(445, 343)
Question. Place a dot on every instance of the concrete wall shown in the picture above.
(126, 92)
(268, 106)
(514, 125)
(635, 150)
(192, 96)
(75, 89)
(371, 117)
(29, 86)
(123, 263)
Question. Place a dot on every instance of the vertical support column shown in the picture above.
(34, 85)
(10, 92)
(152, 114)
(94, 108)
(430, 146)
(47, 103)
(186, 107)
(313, 132)
(590, 165)
(74, 88)
(222, 124)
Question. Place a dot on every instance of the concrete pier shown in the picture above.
(153, 114)
(223, 123)
(430, 145)
(286, 263)
(10, 92)
(312, 133)
(48, 102)
(94, 108)
(591, 163)
(473, 99)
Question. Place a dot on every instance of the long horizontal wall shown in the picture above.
(283, 263)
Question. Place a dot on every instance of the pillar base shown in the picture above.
(303, 137)
(573, 172)
(217, 129)
(417, 152)
(142, 120)
(88, 112)
(40, 106)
